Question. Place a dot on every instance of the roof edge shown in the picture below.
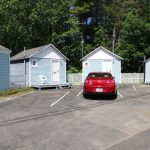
(59, 52)
(111, 52)
(147, 60)
(97, 50)
(39, 50)
(4, 50)
(47, 47)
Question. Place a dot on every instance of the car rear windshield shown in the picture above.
(99, 75)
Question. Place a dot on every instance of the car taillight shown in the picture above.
(88, 82)
(112, 81)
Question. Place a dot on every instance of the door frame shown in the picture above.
(52, 70)
(109, 61)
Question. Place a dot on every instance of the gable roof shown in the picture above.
(103, 49)
(147, 60)
(4, 49)
(31, 52)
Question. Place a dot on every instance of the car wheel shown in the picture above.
(114, 96)
(85, 95)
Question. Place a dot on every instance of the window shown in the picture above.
(86, 64)
(99, 75)
(34, 63)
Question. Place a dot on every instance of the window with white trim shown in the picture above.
(34, 63)
(86, 64)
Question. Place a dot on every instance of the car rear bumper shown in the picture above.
(99, 93)
(105, 89)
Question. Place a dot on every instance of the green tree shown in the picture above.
(65, 23)
(134, 40)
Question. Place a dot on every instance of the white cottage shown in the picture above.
(147, 72)
(41, 66)
(102, 60)
(4, 68)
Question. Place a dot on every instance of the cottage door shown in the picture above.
(107, 66)
(55, 71)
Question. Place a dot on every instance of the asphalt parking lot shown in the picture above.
(57, 119)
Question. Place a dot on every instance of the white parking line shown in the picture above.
(59, 99)
(79, 93)
(120, 95)
(134, 88)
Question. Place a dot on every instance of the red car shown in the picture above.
(100, 83)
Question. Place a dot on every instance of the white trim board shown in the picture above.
(101, 49)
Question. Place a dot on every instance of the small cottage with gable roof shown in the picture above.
(44, 65)
(147, 71)
(102, 60)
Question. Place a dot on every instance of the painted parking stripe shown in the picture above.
(134, 88)
(59, 99)
(79, 93)
(120, 95)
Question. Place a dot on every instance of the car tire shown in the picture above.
(114, 96)
(85, 95)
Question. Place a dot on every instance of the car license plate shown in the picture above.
(99, 90)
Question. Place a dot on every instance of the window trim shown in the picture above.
(34, 60)
(85, 63)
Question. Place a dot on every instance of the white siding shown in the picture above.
(17, 72)
(147, 72)
(101, 55)
(17, 69)
(49, 53)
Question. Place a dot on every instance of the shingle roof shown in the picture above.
(4, 48)
(30, 52)
(100, 48)
(27, 53)
(147, 60)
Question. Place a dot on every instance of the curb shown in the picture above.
(12, 98)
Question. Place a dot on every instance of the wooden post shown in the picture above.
(114, 38)
(25, 65)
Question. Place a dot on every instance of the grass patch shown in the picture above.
(15, 91)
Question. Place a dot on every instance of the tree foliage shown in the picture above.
(64, 23)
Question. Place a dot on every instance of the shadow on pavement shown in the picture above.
(100, 97)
